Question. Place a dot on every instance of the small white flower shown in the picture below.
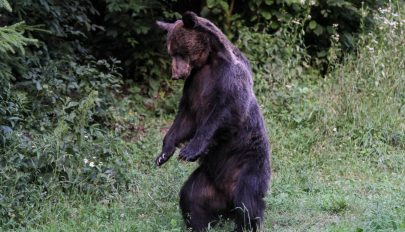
(86, 136)
(85, 161)
(371, 49)
(91, 164)
(334, 129)
(386, 10)
(94, 157)
(335, 25)
(295, 21)
(393, 23)
(335, 37)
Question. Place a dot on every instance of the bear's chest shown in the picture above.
(200, 93)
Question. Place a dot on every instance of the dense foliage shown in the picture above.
(70, 70)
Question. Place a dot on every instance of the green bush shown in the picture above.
(126, 30)
(319, 19)
(53, 119)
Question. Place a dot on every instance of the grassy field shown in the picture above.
(338, 156)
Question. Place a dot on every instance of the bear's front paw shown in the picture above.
(188, 154)
(165, 155)
(162, 158)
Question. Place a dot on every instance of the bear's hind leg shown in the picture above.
(200, 202)
(249, 205)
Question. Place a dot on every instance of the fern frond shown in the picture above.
(12, 38)
(4, 4)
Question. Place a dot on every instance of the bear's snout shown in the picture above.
(180, 69)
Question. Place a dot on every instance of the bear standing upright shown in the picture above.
(220, 122)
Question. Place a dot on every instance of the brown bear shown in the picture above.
(220, 122)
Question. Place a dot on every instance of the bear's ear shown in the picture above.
(190, 19)
(165, 26)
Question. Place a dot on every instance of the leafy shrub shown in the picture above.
(276, 59)
(47, 144)
(320, 19)
(53, 114)
(126, 30)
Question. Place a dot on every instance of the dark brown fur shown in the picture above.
(220, 122)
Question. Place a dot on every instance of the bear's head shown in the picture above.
(189, 43)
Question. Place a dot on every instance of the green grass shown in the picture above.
(338, 157)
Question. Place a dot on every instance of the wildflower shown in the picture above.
(371, 49)
(295, 21)
(94, 157)
(335, 25)
(335, 37)
(91, 164)
(386, 10)
(86, 136)
(85, 161)
(334, 129)
(392, 23)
